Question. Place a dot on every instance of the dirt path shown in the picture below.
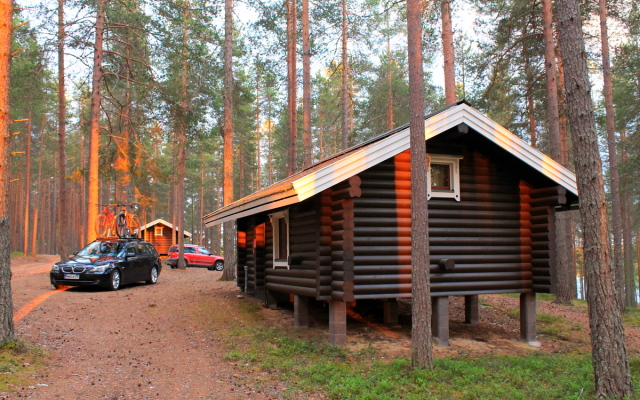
(141, 342)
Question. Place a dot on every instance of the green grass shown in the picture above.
(310, 365)
(18, 361)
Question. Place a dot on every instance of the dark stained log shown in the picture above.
(434, 268)
(486, 188)
(290, 281)
(302, 291)
(397, 295)
(296, 273)
(443, 287)
(489, 197)
(459, 259)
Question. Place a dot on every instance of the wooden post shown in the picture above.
(338, 323)
(271, 301)
(528, 319)
(390, 312)
(471, 309)
(440, 320)
(300, 311)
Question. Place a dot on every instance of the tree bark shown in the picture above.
(306, 87)
(63, 251)
(27, 194)
(565, 291)
(390, 122)
(344, 99)
(94, 141)
(610, 362)
(421, 347)
(614, 180)
(34, 231)
(182, 141)
(6, 303)
(292, 82)
(448, 53)
(228, 241)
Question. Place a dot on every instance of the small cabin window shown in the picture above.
(157, 230)
(443, 174)
(280, 224)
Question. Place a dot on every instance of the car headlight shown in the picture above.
(100, 269)
(55, 268)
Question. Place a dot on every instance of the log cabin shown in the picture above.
(159, 233)
(340, 230)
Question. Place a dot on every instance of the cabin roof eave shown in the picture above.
(306, 184)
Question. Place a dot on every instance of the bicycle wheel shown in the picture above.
(101, 226)
(122, 230)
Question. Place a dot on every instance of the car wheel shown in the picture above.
(219, 265)
(153, 276)
(114, 280)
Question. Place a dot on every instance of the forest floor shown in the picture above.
(158, 341)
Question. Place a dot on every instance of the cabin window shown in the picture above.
(443, 174)
(157, 230)
(280, 224)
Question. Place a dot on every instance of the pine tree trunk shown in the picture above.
(421, 347)
(292, 113)
(614, 180)
(344, 99)
(390, 123)
(228, 242)
(94, 142)
(6, 302)
(27, 194)
(448, 53)
(565, 291)
(610, 362)
(182, 140)
(306, 87)
(201, 202)
(38, 203)
(258, 184)
(63, 251)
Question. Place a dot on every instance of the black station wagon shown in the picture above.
(110, 264)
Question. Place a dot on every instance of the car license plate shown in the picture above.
(71, 276)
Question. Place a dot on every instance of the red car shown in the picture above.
(195, 256)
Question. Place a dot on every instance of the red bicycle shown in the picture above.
(122, 225)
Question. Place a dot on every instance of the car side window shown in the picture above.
(150, 249)
(204, 251)
(173, 249)
(131, 248)
(190, 250)
(142, 249)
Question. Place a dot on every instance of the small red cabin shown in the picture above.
(159, 233)
(340, 230)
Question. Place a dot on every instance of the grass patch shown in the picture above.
(631, 317)
(18, 361)
(16, 254)
(539, 296)
(309, 365)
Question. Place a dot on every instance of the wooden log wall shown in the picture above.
(342, 238)
(543, 220)
(485, 235)
(241, 253)
(300, 277)
(323, 269)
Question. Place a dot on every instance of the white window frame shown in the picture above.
(274, 218)
(454, 169)
(155, 230)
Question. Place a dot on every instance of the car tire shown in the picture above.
(114, 280)
(153, 276)
(219, 265)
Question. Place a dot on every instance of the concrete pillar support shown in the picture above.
(338, 323)
(390, 312)
(301, 311)
(471, 309)
(528, 319)
(440, 320)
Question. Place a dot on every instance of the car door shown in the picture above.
(207, 257)
(132, 264)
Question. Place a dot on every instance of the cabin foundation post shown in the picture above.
(390, 312)
(338, 323)
(528, 319)
(440, 320)
(300, 311)
(471, 309)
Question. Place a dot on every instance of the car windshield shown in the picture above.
(101, 249)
